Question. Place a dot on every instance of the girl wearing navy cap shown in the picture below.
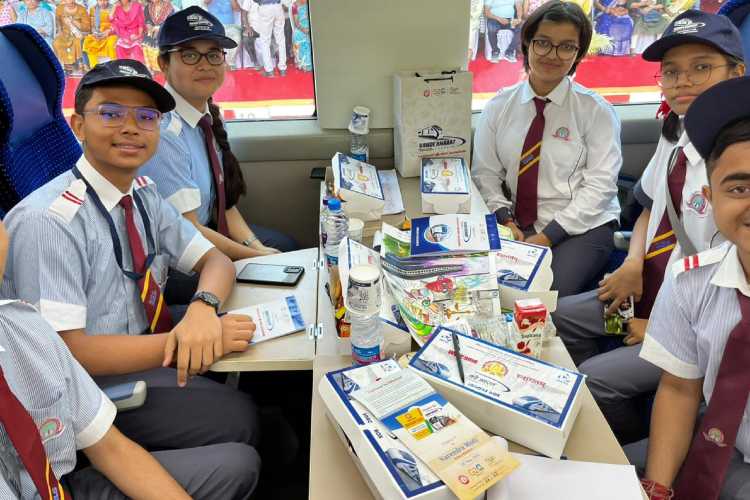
(194, 167)
(697, 51)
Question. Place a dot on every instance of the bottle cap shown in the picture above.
(360, 120)
(334, 204)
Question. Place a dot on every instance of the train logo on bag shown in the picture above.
(432, 138)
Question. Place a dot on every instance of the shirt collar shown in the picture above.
(186, 110)
(109, 195)
(557, 96)
(730, 274)
(687, 147)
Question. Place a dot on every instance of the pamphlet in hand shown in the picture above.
(274, 319)
(453, 447)
(455, 233)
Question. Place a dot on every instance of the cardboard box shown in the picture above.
(522, 399)
(445, 186)
(524, 271)
(389, 469)
(358, 185)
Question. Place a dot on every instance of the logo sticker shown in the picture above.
(698, 203)
(562, 133)
(715, 436)
(50, 428)
(431, 139)
(687, 26)
(199, 23)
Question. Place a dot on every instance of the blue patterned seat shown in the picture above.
(36, 143)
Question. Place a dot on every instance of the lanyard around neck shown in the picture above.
(113, 231)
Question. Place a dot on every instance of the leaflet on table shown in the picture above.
(455, 233)
(431, 291)
(530, 386)
(356, 176)
(395, 241)
(394, 203)
(409, 472)
(455, 449)
(274, 319)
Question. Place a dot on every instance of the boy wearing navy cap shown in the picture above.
(699, 333)
(697, 51)
(91, 250)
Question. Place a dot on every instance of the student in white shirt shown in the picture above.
(697, 51)
(699, 332)
(566, 194)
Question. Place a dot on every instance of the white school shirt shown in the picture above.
(694, 314)
(580, 156)
(696, 214)
(68, 408)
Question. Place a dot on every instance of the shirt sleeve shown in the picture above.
(670, 342)
(645, 189)
(487, 170)
(179, 238)
(599, 186)
(48, 267)
(92, 413)
(170, 170)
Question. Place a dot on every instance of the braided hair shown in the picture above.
(234, 182)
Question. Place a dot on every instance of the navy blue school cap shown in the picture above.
(695, 26)
(190, 24)
(129, 73)
(719, 106)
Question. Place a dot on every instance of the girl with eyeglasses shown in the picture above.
(697, 51)
(194, 167)
(547, 151)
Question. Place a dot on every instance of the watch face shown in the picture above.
(208, 298)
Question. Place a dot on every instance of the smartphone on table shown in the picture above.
(270, 274)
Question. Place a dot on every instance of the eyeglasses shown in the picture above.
(564, 51)
(115, 115)
(191, 57)
(698, 74)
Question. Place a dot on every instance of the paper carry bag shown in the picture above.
(432, 118)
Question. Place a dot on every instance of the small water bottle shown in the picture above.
(323, 215)
(366, 338)
(359, 129)
(336, 228)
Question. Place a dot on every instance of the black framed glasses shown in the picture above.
(564, 51)
(698, 74)
(191, 57)
(114, 115)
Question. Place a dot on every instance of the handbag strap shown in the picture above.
(679, 229)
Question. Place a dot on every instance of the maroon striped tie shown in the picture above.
(221, 197)
(658, 253)
(23, 433)
(157, 313)
(528, 169)
(702, 473)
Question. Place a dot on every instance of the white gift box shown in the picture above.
(522, 399)
(389, 469)
(524, 271)
(445, 186)
(358, 185)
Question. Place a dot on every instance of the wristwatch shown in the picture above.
(504, 215)
(207, 298)
(248, 242)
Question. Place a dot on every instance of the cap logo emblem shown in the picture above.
(199, 23)
(128, 71)
(687, 26)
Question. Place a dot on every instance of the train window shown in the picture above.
(260, 83)
(614, 67)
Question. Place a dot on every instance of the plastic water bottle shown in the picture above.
(336, 228)
(323, 214)
(360, 129)
(360, 149)
(366, 338)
